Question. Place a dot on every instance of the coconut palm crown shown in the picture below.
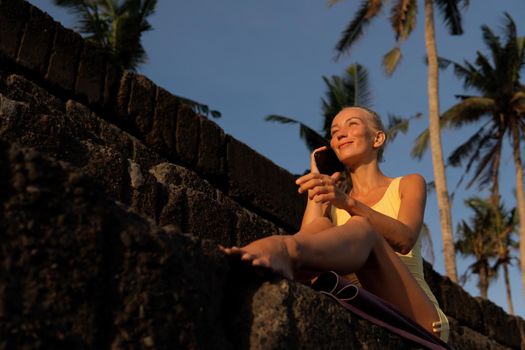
(115, 25)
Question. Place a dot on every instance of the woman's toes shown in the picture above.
(261, 262)
(247, 256)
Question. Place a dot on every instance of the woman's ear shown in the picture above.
(379, 139)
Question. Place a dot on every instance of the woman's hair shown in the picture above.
(377, 125)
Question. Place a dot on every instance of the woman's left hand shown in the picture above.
(322, 188)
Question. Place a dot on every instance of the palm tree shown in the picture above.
(477, 240)
(500, 105)
(351, 89)
(114, 25)
(504, 226)
(117, 27)
(403, 20)
(489, 237)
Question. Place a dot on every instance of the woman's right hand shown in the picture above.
(315, 182)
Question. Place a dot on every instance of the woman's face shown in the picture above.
(353, 139)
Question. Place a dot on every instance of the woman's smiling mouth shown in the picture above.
(345, 144)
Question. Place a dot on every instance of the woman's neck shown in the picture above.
(367, 177)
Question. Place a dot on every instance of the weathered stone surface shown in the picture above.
(19, 88)
(187, 136)
(13, 16)
(111, 86)
(250, 227)
(123, 95)
(212, 151)
(135, 103)
(174, 175)
(144, 190)
(141, 103)
(499, 325)
(47, 239)
(161, 138)
(64, 57)
(146, 193)
(209, 218)
(91, 72)
(129, 284)
(521, 326)
(31, 129)
(36, 41)
(257, 182)
(464, 338)
(272, 313)
(171, 206)
(64, 137)
(461, 306)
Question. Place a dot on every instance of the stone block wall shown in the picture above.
(115, 194)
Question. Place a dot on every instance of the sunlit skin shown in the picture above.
(367, 242)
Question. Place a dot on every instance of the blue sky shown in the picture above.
(250, 58)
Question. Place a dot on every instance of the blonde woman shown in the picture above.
(372, 231)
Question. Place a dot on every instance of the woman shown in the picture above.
(372, 231)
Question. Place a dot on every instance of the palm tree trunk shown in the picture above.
(520, 198)
(435, 144)
(495, 175)
(483, 281)
(507, 288)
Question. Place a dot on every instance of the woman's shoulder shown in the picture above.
(412, 182)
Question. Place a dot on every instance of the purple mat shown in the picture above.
(376, 310)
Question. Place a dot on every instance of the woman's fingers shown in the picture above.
(306, 178)
(315, 181)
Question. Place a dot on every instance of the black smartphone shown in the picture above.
(327, 162)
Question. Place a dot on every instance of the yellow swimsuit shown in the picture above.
(389, 205)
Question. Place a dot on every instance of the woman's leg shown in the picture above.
(352, 247)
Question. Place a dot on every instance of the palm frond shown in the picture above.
(116, 26)
(396, 125)
(485, 171)
(350, 89)
(358, 75)
(451, 15)
(198, 107)
(73, 4)
(443, 63)
(468, 111)
(403, 18)
(311, 137)
(280, 119)
(466, 149)
(391, 60)
(354, 30)
(420, 144)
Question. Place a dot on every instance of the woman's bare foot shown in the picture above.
(275, 252)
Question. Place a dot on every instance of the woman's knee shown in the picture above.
(362, 228)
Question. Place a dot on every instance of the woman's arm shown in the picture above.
(402, 233)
